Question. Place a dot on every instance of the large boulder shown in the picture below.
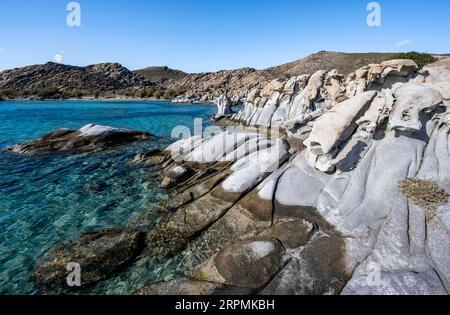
(224, 104)
(338, 124)
(412, 100)
(89, 138)
(248, 264)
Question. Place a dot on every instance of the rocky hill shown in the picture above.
(345, 63)
(161, 74)
(237, 83)
(113, 79)
(207, 86)
(105, 78)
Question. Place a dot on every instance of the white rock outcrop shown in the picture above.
(357, 152)
(224, 104)
(292, 104)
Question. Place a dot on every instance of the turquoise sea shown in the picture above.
(45, 200)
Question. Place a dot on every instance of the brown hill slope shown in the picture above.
(160, 74)
(103, 78)
(345, 63)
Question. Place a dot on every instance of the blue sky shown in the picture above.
(209, 35)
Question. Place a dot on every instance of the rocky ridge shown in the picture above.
(206, 87)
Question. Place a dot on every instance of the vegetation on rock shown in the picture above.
(421, 59)
(425, 194)
(160, 74)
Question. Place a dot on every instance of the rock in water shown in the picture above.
(99, 254)
(224, 104)
(89, 138)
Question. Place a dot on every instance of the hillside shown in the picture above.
(160, 74)
(112, 79)
(105, 78)
(234, 83)
(345, 63)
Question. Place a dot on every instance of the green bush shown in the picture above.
(421, 59)
(143, 93)
(74, 94)
(173, 93)
(7, 93)
(47, 92)
(158, 94)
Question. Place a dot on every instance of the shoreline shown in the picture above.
(113, 99)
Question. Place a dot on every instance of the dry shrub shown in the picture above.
(425, 194)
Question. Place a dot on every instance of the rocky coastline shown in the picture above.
(324, 184)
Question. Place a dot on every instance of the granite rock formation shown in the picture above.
(328, 217)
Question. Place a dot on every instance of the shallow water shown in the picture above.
(49, 199)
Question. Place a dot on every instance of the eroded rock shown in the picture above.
(257, 261)
(89, 138)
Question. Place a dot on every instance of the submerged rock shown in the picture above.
(99, 255)
(191, 287)
(153, 158)
(89, 138)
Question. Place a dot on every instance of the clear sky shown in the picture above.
(209, 35)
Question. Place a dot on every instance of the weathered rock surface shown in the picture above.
(99, 255)
(224, 104)
(258, 261)
(89, 138)
(323, 213)
(294, 104)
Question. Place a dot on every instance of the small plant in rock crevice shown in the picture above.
(426, 194)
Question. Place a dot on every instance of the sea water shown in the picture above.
(49, 199)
